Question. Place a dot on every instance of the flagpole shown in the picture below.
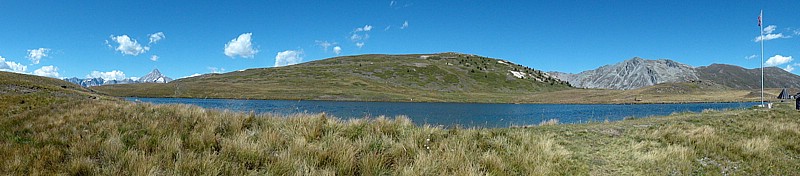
(761, 33)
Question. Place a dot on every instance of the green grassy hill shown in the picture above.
(439, 77)
(23, 92)
(748, 79)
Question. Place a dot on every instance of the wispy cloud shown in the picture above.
(769, 35)
(405, 25)
(288, 57)
(397, 4)
(789, 68)
(155, 37)
(37, 54)
(777, 60)
(324, 44)
(769, 29)
(154, 58)
(365, 28)
(751, 57)
(241, 46)
(216, 70)
(360, 44)
(360, 34)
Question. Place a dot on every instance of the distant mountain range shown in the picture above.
(637, 73)
(154, 76)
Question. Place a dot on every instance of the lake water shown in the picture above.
(451, 114)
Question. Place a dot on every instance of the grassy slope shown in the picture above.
(78, 135)
(441, 77)
(661, 93)
(742, 78)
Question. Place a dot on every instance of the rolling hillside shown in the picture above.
(747, 79)
(452, 77)
(21, 92)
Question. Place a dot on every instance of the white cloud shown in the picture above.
(111, 75)
(324, 44)
(155, 37)
(128, 46)
(751, 57)
(365, 28)
(48, 71)
(387, 28)
(777, 60)
(37, 54)
(392, 3)
(10, 66)
(769, 29)
(360, 34)
(193, 75)
(789, 68)
(241, 46)
(356, 37)
(768, 35)
(216, 70)
(288, 57)
(405, 25)
(154, 58)
(337, 50)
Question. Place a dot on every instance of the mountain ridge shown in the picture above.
(638, 73)
(154, 76)
(631, 74)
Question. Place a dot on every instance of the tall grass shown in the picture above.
(106, 137)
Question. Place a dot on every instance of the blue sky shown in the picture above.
(95, 39)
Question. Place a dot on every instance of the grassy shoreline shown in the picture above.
(686, 93)
(112, 137)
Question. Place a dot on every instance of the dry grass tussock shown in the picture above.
(110, 137)
(106, 137)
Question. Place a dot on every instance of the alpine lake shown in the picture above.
(455, 114)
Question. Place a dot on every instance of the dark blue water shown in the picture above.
(451, 114)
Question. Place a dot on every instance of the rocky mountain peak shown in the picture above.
(631, 74)
(154, 76)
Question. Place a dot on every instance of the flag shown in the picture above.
(759, 18)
